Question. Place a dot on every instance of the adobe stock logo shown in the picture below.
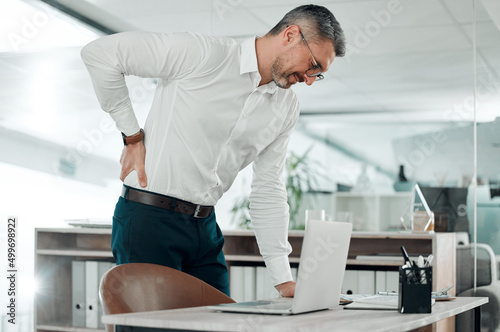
(323, 250)
(29, 28)
(225, 7)
(372, 29)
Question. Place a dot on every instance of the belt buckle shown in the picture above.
(196, 211)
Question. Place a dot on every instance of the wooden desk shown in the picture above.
(56, 248)
(241, 249)
(338, 319)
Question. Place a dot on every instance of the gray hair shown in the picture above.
(317, 23)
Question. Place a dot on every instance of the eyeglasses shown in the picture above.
(314, 71)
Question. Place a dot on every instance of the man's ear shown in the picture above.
(290, 35)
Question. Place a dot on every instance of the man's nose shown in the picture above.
(309, 80)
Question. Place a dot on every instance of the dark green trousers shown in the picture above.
(148, 234)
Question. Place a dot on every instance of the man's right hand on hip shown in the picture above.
(133, 158)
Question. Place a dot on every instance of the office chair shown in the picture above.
(487, 285)
(137, 287)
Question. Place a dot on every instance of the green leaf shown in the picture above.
(301, 177)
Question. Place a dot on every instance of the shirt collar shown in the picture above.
(248, 65)
(248, 61)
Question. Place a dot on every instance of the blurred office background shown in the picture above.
(416, 77)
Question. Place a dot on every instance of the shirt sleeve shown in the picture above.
(269, 209)
(143, 54)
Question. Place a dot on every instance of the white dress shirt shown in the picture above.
(209, 120)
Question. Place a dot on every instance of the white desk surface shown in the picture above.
(338, 319)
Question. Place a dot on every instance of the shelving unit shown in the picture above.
(241, 246)
(56, 248)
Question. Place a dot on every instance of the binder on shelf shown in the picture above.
(249, 283)
(260, 283)
(380, 281)
(366, 282)
(102, 268)
(236, 283)
(392, 281)
(350, 284)
(263, 287)
(78, 293)
(294, 273)
(271, 291)
(91, 294)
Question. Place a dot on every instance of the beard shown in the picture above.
(280, 76)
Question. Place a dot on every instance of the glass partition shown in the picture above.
(400, 113)
(488, 123)
(487, 227)
(423, 110)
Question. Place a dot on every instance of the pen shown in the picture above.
(443, 291)
(429, 260)
(420, 261)
(417, 278)
(406, 257)
(388, 293)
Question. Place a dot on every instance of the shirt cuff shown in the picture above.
(126, 122)
(279, 270)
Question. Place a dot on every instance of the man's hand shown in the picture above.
(133, 158)
(286, 289)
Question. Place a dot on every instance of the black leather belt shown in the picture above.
(166, 202)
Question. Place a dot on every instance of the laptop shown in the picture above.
(320, 276)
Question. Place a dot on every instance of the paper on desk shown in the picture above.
(377, 302)
(374, 302)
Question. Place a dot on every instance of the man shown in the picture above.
(219, 106)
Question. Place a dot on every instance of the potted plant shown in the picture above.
(299, 181)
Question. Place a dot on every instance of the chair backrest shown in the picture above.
(137, 287)
(486, 266)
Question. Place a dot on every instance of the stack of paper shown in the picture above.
(373, 302)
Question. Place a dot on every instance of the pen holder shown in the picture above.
(415, 287)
